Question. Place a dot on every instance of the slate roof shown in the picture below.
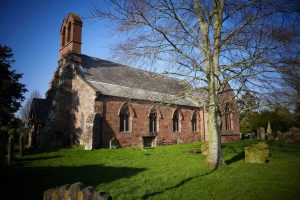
(38, 110)
(114, 79)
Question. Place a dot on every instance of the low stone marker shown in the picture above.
(269, 132)
(292, 136)
(179, 141)
(76, 191)
(279, 135)
(261, 134)
(10, 149)
(258, 153)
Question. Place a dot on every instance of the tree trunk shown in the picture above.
(214, 158)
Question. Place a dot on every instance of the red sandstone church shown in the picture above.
(98, 103)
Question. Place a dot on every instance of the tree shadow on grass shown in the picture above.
(146, 196)
(21, 161)
(236, 158)
(30, 182)
(38, 158)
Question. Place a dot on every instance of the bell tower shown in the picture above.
(70, 35)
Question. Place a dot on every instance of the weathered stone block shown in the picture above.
(88, 193)
(62, 192)
(261, 134)
(292, 136)
(258, 153)
(74, 192)
(50, 194)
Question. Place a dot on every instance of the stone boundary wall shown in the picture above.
(76, 191)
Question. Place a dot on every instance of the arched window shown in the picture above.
(194, 122)
(176, 121)
(69, 32)
(227, 117)
(153, 120)
(63, 37)
(124, 120)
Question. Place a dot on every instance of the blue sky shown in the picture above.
(31, 28)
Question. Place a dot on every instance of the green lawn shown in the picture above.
(169, 172)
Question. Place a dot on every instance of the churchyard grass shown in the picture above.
(168, 172)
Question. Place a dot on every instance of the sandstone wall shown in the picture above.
(139, 126)
(84, 112)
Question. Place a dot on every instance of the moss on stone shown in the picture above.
(258, 153)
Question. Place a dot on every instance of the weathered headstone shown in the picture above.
(252, 136)
(261, 133)
(258, 153)
(74, 190)
(140, 143)
(179, 140)
(269, 132)
(31, 132)
(279, 135)
(21, 145)
(10, 149)
(292, 136)
(88, 192)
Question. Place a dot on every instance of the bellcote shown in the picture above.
(70, 35)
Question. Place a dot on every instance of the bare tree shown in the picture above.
(208, 43)
(24, 113)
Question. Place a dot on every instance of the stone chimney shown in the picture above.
(70, 35)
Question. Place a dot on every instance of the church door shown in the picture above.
(97, 131)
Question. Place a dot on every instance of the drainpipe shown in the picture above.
(110, 141)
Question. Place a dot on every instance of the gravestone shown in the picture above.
(279, 135)
(269, 132)
(261, 133)
(31, 132)
(292, 135)
(252, 136)
(140, 143)
(258, 153)
(179, 141)
(21, 145)
(10, 149)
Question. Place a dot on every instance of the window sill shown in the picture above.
(153, 133)
(125, 132)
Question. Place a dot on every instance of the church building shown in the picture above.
(100, 104)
